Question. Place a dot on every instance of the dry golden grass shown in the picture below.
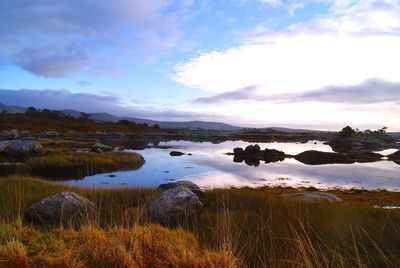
(255, 226)
(148, 246)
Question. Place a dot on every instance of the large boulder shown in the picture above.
(66, 209)
(19, 147)
(174, 207)
(190, 185)
(9, 134)
(99, 147)
(7, 169)
(312, 197)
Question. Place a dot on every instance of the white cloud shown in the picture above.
(314, 65)
(345, 47)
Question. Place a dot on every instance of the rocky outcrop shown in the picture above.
(190, 185)
(321, 158)
(394, 156)
(252, 155)
(362, 143)
(66, 209)
(9, 134)
(7, 169)
(18, 148)
(176, 153)
(312, 197)
(50, 134)
(174, 207)
(100, 148)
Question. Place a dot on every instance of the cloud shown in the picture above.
(31, 31)
(371, 91)
(345, 47)
(51, 61)
(368, 92)
(246, 93)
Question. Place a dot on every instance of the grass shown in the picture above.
(79, 165)
(252, 225)
(149, 246)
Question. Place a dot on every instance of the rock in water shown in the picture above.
(176, 153)
(192, 187)
(174, 207)
(312, 197)
(394, 156)
(66, 209)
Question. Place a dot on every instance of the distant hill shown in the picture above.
(105, 117)
(112, 118)
(11, 109)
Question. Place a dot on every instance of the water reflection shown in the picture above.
(209, 167)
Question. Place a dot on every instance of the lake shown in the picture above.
(210, 167)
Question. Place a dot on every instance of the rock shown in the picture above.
(394, 156)
(7, 169)
(9, 134)
(249, 149)
(66, 209)
(50, 134)
(174, 207)
(238, 151)
(190, 185)
(312, 197)
(321, 158)
(25, 134)
(253, 154)
(176, 153)
(100, 148)
(19, 148)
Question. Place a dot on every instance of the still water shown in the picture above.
(210, 167)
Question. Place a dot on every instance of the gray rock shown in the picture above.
(238, 151)
(7, 169)
(66, 209)
(25, 134)
(50, 134)
(99, 148)
(312, 197)
(190, 185)
(19, 147)
(173, 207)
(394, 156)
(9, 134)
(176, 153)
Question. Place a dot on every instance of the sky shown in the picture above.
(320, 64)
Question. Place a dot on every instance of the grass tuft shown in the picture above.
(79, 165)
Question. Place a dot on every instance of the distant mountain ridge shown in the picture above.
(112, 118)
(163, 124)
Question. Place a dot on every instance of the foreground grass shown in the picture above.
(252, 225)
(149, 246)
(79, 165)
